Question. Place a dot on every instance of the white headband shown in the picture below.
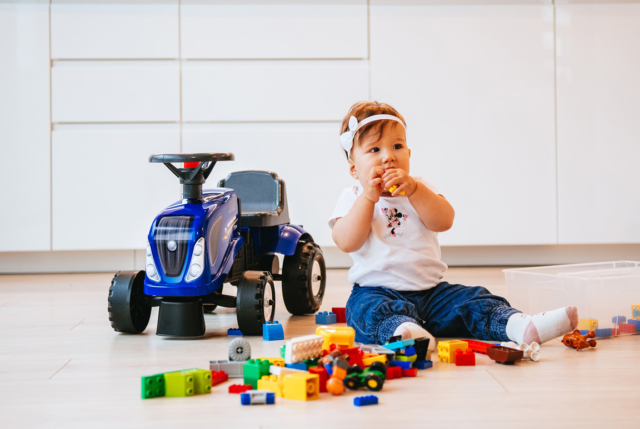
(346, 139)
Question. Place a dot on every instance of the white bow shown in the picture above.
(346, 138)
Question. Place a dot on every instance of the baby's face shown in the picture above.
(390, 151)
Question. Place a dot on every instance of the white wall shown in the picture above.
(522, 112)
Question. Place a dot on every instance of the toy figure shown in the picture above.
(578, 341)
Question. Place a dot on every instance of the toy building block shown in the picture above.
(254, 370)
(504, 355)
(402, 358)
(326, 318)
(218, 377)
(421, 346)
(603, 332)
(587, 324)
(310, 363)
(152, 386)
(380, 350)
(202, 380)
(274, 361)
(272, 331)
(340, 314)
(353, 356)
(361, 401)
(343, 336)
(239, 388)
(233, 369)
(298, 365)
(410, 372)
(423, 364)
(302, 348)
(394, 372)
(627, 328)
(465, 358)
(179, 383)
(410, 351)
(479, 346)
(615, 331)
(636, 323)
(635, 311)
(239, 350)
(402, 364)
(323, 377)
(234, 331)
(301, 387)
(402, 344)
(257, 397)
(282, 371)
(369, 360)
(618, 319)
(447, 350)
(271, 383)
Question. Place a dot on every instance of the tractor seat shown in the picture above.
(263, 197)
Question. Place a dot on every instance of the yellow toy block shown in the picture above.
(343, 336)
(179, 383)
(201, 381)
(275, 361)
(272, 384)
(393, 189)
(587, 324)
(635, 311)
(301, 386)
(447, 350)
(367, 361)
(406, 358)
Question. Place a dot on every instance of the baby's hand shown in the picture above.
(397, 177)
(373, 187)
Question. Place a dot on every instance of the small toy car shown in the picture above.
(231, 234)
(372, 377)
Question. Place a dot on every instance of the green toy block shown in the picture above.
(152, 386)
(283, 351)
(253, 370)
(201, 380)
(311, 362)
(180, 383)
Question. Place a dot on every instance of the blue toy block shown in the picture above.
(410, 352)
(298, 365)
(619, 319)
(402, 364)
(326, 318)
(423, 364)
(604, 332)
(329, 369)
(234, 331)
(584, 332)
(361, 401)
(257, 397)
(634, 322)
(272, 331)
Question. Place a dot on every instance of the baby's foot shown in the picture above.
(412, 330)
(542, 327)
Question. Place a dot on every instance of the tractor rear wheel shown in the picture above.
(255, 302)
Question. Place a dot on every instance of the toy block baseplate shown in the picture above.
(326, 318)
(587, 324)
(342, 336)
(233, 369)
(257, 397)
(447, 350)
(340, 314)
(272, 331)
(302, 348)
(361, 401)
(234, 331)
(152, 386)
(239, 388)
(465, 358)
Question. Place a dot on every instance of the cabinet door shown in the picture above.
(115, 91)
(476, 86)
(25, 185)
(598, 122)
(259, 31)
(105, 191)
(114, 30)
(307, 157)
(272, 90)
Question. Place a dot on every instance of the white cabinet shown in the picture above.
(115, 91)
(306, 156)
(598, 122)
(476, 86)
(272, 90)
(239, 30)
(115, 30)
(25, 192)
(105, 192)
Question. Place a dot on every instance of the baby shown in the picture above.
(392, 238)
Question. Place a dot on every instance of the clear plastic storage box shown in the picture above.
(607, 294)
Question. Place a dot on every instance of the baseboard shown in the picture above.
(117, 260)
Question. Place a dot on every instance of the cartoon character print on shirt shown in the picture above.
(395, 222)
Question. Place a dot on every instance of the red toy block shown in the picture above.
(352, 354)
(340, 316)
(615, 331)
(239, 388)
(465, 358)
(479, 346)
(410, 372)
(323, 374)
(627, 328)
(218, 377)
(394, 372)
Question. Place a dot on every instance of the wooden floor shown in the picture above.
(61, 364)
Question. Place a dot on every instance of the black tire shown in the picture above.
(255, 294)
(129, 312)
(352, 383)
(354, 369)
(374, 382)
(304, 277)
(380, 367)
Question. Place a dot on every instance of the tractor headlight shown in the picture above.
(196, 267)
(151, 270)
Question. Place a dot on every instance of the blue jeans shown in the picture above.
(445, 310)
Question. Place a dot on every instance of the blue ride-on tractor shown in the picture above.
(231, 234)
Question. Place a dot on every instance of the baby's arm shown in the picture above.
(351, 231)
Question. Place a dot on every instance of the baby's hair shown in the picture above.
(362, 110)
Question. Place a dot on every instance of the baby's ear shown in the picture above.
(352, 169)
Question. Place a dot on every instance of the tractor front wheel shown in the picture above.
(129, 312)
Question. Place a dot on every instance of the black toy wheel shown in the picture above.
(380, 367)
(128, 310)
(304, 279)
(352, 383)
(374, 382)
(354, 369)
(255, 302)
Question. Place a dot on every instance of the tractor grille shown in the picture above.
(172, 241)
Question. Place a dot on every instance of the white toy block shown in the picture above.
(302, 348)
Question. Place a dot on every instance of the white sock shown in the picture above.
(412, 330)
(541, 327)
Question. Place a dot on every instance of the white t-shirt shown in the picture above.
(400, 253)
